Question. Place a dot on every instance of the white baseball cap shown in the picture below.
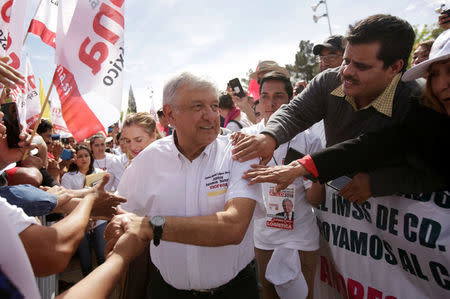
(439, 51)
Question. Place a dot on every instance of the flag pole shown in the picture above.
(38, 121)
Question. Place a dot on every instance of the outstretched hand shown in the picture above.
(105, 202)
(127, 223)
(254, 146)
(282, 175)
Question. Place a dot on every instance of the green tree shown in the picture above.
(305, 66)
(131, 102)
(425, 33)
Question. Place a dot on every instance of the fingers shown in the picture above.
(104, 181)
(118, 199)
(109, 246)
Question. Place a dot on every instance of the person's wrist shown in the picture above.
(298, 169)
(148, 228)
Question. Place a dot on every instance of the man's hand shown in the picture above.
(129, 246)
(254, 146)
(105, 202)
(128, 223)
(9, 76)
(10, 155)
(62, 194)
(358, 189)
(57, 148)
(282, 175)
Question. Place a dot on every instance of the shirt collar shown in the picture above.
(173, 147)
(383, 103)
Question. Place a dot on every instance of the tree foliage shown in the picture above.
(305, 66)
(246, 81)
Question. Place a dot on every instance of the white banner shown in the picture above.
(32, 100)
(90, 62)
(44, 21)
(59, 125)
(389, 247)
(12, 29)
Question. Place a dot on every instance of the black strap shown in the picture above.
(236, 122)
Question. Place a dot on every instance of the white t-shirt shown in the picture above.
(14, 261)
(75, 179)
(304, 235)
(244, 121)
(113, 165)
(161, 181)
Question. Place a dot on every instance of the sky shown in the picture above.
(223, 39)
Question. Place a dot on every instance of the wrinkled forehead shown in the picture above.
(188, 95)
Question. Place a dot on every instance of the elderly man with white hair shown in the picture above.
(192, 201)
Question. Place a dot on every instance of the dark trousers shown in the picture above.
(243, 286)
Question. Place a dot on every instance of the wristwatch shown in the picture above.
(157, 222)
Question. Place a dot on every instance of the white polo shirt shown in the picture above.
(305, 233)
(161, 181)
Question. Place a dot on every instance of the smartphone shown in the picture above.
(65, 140)
(12, 124)
(56, 137)
(236, 87)
(66, 154)
(339, 183)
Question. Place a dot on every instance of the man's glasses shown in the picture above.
(328, 58)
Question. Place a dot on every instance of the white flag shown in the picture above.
(12, 29)
(59, 125)
(90, 59)
(44, 21)
(32, 100)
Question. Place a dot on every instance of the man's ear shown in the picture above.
(396, 67)
(169, 113)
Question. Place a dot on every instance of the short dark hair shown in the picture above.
(44, 126)
(273, 76)
(226, 102)
(396, 37)
(160, 113)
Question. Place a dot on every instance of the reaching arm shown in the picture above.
(222, 228)
(101, 282)
(50, 248)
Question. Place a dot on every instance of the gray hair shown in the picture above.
(185, 79)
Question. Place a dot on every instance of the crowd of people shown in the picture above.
(217, 199)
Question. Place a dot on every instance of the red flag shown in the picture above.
(44, 22)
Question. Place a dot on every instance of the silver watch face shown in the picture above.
(158, 220)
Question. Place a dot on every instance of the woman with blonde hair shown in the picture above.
(138, 131)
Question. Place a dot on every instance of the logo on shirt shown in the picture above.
(217, 183)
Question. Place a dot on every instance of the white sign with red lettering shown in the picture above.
(12, 29)
(31, 95)
(90, 62)
(387, 248)
(44, 21)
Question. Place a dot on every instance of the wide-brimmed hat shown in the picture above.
(269, 66)
(439, 51)
(334, 42)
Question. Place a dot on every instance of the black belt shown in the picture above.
(244, 273)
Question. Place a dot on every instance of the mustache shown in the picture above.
(348, 78)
